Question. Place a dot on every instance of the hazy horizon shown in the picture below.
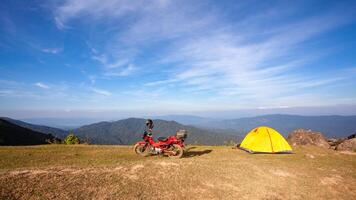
(73, 119)
(342, 110)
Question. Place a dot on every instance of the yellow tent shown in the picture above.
(264, 139)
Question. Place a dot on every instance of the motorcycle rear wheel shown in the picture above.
(141, 149)
(177, 151)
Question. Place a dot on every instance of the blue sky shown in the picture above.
(175, 56)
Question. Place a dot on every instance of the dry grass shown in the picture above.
(115, 172)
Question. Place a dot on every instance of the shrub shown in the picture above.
(85, 141)
(54, 141)
(230, 143)
(71, 139)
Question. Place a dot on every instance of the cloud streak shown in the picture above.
(251, 58)
(102, 92)
(42, 85)
(51, 50)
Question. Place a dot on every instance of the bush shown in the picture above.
(85, 141)
(54, 141)
(71, 139)
(230, 143)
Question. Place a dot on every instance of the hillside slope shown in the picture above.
(206, 172)
(59, 133)
(129, 131)
(11, 134)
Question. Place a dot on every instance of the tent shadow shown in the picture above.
(189, 154)
(267, 153)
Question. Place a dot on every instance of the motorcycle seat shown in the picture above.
(162, 139)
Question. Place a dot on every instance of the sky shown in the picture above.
(84, 57)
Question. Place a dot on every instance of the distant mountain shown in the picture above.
(63, 123)
(59, 133)
(186, 119)
(12, 134)
(330, 126)
(129, 131)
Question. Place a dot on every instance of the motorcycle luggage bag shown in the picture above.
(182, 134)
(162, 139)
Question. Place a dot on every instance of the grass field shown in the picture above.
(206, 172)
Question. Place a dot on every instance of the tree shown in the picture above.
(71, 139)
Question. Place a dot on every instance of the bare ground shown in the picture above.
(109, 172)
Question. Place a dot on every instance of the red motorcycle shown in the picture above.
(173, 146)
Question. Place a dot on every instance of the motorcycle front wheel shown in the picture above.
(176, 151)
(141, 149)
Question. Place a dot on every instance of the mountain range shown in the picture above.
(331, 126)
(129, 131)
(201, 130)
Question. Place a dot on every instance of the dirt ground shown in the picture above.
(206, 172)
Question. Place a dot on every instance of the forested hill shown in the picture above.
(12, 134)
(59, 133)
(129, 131)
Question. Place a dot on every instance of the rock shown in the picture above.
(352, 136)
(310, 156)
(333, 147)
(307, 137)
(334, 142)
(347, 145)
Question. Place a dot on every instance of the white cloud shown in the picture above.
(117, 64)
(124, 72)
(229, 65)
(249, 59)
(59, 23)
(102, 92)
(42, 85)
(97, 9)
(51, 50)
(100, 58)
(158, 83)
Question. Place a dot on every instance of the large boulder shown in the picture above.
(307, 137)
(347, 145)
(334, 142)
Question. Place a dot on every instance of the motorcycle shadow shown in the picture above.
(189, 153)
